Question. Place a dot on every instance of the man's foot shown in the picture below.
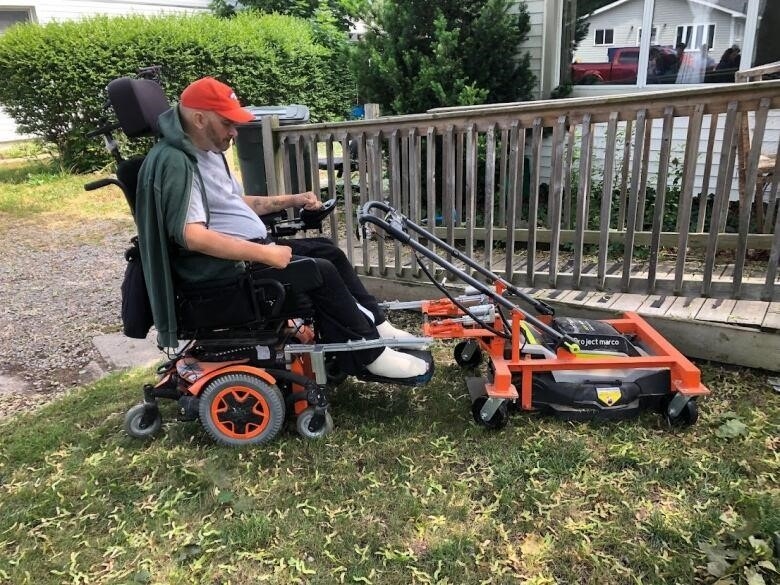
(387, 331)
(394, 364)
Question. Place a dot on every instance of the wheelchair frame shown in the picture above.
(243, 382)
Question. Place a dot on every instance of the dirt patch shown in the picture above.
(59, 287)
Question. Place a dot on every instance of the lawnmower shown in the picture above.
(575, 369)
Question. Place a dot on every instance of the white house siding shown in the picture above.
(626, 19)
(43, 12)
(534, 45)
(671, 13)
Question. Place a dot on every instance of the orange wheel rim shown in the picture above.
(240, 412)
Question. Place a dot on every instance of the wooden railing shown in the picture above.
(519, 186)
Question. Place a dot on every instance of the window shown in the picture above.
(653, 35)
(605, 36)
(10, 17)
(695, 35)
(690, 41)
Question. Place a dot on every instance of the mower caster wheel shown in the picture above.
(137, 427)
(685, 418)
(302, 425)
(497, 421)
(468, 354)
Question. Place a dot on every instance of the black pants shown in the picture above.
(338, 317)
(325, 249)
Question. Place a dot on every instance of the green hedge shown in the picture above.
(54, 75)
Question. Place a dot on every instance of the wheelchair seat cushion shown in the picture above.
(218, 304)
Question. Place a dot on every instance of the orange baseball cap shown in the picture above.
(214, 96)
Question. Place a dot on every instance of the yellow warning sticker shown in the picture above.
(608, 396)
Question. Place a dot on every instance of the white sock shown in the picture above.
(387, 331)
(394, 364)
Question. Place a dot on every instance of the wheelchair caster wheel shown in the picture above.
(142, 421)
(241, 409)
(304, 421)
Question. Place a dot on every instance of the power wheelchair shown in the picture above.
(250, 358)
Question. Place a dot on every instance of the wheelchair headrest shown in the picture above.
(137, 104)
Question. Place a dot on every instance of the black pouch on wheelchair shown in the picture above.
(218, 304)
(136, 309)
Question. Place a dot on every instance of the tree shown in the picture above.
(344, 11)
(422, 54)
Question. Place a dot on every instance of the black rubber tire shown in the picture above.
(241, 409)
(495, 422)
(132, 424)
(471, 361)
(687, 417)
(302, 425)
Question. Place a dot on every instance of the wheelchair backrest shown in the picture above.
(137, 104)
(127, 174)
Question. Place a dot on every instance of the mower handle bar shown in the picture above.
(399, 221)
(394, 223)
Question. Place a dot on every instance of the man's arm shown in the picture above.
(201, 239)
(263, 205)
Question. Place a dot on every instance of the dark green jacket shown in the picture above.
(162, 200)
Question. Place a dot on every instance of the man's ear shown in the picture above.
(199, 119)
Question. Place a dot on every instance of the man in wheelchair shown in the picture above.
(196, 226)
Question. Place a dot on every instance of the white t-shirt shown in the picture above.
(228, 212)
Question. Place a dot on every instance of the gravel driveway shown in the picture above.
(59, 287)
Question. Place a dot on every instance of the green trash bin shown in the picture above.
(249, 143)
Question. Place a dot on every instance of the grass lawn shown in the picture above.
(40, 190)
(407, 490)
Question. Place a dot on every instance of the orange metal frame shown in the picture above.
(686, 378)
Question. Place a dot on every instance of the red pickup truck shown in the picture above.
(621, 67)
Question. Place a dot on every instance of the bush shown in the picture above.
(55, 75)
(419, 54)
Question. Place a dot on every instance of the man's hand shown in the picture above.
(277, 256)
(307, 200)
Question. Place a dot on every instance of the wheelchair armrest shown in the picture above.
(301, 274)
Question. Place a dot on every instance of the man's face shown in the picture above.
(219, 132)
